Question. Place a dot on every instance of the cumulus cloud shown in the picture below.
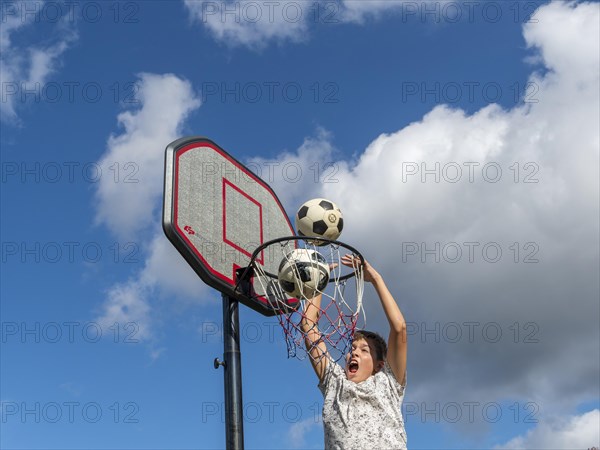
(126, 304)
(26, 67)
(166, 267)
(165, 273)
(255, 24)
(299, 430)
(359, 11)
(581, 431)
(126, 207)
(250, 23)
(131, 209)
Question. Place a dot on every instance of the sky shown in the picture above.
(459, 139)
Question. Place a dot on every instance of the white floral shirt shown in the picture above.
(365, 415)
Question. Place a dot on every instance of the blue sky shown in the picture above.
(108, 337)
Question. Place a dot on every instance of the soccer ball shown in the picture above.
(303, 272)
(319, 218)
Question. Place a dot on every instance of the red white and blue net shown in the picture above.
(339, 313)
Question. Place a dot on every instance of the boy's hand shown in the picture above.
(369, 273)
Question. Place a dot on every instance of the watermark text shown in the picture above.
(67, 332)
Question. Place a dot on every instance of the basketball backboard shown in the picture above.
(216, 212)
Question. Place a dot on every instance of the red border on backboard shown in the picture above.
(183, 235)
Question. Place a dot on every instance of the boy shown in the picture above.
(361, 408)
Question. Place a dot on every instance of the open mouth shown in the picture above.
(353, 367)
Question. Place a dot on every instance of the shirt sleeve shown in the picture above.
(332, 377)
(395, 384)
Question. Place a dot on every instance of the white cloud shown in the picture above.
(255, 24)
(581, 431)
(299, 430)
(165, 274)
(129, 210)
(127, 207)
(574, 58)
(27, 67)
(250, 23)
(167, 268)
(359, 11)
(127, 304)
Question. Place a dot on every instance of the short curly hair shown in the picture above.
(377, 341)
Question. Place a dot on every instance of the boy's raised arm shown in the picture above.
(312, 336)
(397, 346)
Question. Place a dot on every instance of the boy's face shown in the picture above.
(361, 362)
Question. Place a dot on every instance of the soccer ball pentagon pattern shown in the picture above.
(319, 218)
(303, 272)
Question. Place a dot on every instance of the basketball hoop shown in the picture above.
(339, 312)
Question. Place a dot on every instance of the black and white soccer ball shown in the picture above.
(319, 218)
(303, 273)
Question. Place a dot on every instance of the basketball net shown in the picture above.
(341, 306)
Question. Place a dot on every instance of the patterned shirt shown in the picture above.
(365, 415)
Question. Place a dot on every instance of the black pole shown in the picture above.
(234, 421)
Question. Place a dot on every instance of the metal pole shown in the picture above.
(234, 421)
